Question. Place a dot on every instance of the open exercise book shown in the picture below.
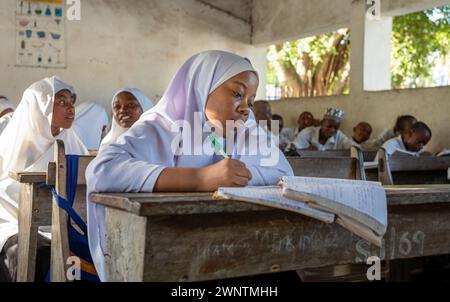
(359, 206)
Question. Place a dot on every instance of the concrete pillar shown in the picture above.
(377, 54)
(357, 24)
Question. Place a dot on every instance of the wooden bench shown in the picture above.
(192, 237)
(314, 165)
(401, 170)
(326, 153)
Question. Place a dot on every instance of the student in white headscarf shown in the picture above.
(91, 119)
(6, 112)
(45, 114)
(155, 154)
(127, 105)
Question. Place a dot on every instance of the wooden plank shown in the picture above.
(34, 211)
(60, 243)
(329, 167)
(225, 245)
(51, 174)
(424, 163)
(27, 237)
(327, 153)
(151, 204)
(125, 246)
(29, 177)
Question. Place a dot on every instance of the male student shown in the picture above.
(412, 142)
(327, 136)
(361, 134)
(305, 120)
(402, 125)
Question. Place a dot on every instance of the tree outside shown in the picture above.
(320, 65)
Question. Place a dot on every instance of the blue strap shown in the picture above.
(71, 189)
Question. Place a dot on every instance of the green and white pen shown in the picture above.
(217, 145)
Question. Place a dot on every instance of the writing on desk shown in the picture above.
(396, 245)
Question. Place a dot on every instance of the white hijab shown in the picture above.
(27, 145)
(116, 129)
(90, 120)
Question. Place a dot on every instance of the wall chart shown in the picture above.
(40, 33)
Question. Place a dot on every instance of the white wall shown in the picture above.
(138, 43)
(284, 20)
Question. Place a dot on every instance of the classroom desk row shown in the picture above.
(192, 237)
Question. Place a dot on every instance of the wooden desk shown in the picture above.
(191, 237)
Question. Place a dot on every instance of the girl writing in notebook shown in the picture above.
(214, 87)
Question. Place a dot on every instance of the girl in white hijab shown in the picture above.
(6, 112)
(45, 113)
(127, 106)
(156, 154)
(90, 121)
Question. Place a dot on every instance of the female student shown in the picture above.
(91, 120)
(127, 105)
(212, 87)
(45, 113)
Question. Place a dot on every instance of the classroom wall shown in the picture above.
(284, 20)
(138, 43)
(380, 109)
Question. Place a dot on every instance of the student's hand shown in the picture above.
(226, 173)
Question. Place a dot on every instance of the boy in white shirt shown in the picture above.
(402, 125)
(412, 142)
(327, 136)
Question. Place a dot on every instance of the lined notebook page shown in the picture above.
(364, 201)
(271, 196)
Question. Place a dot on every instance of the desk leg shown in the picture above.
(27, 238)
(124, 246)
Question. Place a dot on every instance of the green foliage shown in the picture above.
(419, 41)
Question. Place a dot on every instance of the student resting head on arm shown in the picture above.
(168, 149)
(127, 105)
(45, 113)
(412, 142)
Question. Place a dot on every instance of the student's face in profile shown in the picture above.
(126, 109)
(415, 140)
(232, 100)
(329, 128)
(361, 133)
(305, 120)
(63, 110)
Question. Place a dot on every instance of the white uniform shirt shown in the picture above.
(310, 137)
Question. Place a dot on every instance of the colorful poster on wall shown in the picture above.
(40, 33)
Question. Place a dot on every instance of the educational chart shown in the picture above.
(40, 33)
